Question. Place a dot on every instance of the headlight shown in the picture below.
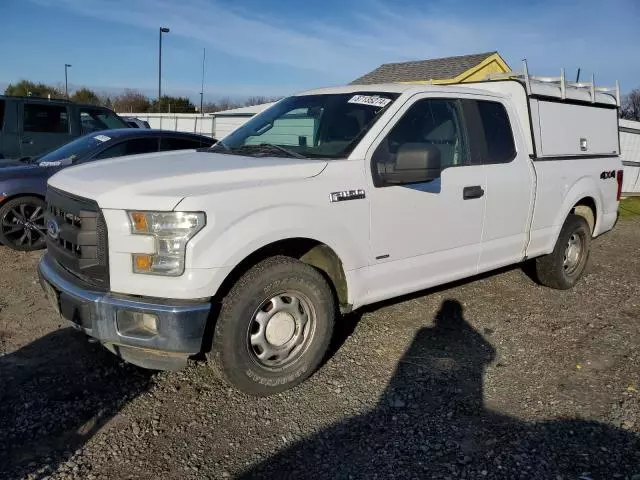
(172, 231)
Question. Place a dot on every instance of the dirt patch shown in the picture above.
(495, 377)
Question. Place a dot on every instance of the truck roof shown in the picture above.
(398, 88)
(501, 87)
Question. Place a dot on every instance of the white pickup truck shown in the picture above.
(327, 201)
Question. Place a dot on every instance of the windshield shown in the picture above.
(327, 126)
(75, 149)
(94, 119)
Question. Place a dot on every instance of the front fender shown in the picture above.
(228, 245)
(27, 186)
(223, 247)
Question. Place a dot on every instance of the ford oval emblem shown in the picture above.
(53, 229)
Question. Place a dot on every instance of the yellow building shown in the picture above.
(465, 68)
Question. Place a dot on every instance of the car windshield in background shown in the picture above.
(316, 126)
(93, 120)
(74, 150)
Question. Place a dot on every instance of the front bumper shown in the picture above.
(180, 324)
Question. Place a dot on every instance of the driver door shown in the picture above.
(424, 233)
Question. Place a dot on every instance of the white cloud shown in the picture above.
(551, 34)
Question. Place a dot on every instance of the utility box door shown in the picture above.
(566, 129)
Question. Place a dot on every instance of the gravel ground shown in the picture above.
(491, 378)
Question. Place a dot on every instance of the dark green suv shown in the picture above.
(30, 126)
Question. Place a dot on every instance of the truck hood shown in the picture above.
(159, 181)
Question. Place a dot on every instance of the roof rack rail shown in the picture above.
(561, 82)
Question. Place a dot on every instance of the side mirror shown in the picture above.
(415, 163)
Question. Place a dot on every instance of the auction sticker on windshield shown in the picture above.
(102, 138)
(372, 100)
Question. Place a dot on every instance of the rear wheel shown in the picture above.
(274, 327)
(22, 224)
(563, 267)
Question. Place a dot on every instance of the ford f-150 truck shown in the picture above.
(329, 200)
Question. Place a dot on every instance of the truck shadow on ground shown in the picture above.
(431, 422)
(55, 394)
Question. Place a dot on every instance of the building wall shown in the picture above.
(630, 153)
(223, 125)
(179, 122)
(216, 127)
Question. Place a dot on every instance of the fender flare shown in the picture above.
(585, 187)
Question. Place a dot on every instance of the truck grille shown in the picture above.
(77, 237)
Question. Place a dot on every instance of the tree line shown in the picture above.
(130, 100)
(630, 108)
(134, 101)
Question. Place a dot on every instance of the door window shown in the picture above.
(131, 147)
(500, 147)
(431, 127)
(44, 118)
(1, 115)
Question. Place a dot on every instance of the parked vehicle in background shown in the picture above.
(23, 183)
(134, 122)
(329, 200)
(30, 126)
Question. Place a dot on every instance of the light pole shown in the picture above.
(66, 83)
(162, 30)
(204, 52)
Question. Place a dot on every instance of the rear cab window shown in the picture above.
(182, 143)
(43, 118)
(498, 135)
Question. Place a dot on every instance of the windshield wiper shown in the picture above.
(217, 144)
(282, 149)
(262, 147)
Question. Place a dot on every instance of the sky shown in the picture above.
(274, 48)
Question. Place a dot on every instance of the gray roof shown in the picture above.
(435, 69)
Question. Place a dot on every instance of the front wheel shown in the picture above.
(22, 224)
(274, 327)
(563, 267)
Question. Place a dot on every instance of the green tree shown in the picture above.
(84, 95)
(26, 88)
(630, 108)
(171, 104)
(259, 99)
(131, 101)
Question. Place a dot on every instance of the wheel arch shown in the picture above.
(12, 196)
(308, 250)
(583, 196)
(586, 208)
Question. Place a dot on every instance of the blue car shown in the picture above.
(23, 183)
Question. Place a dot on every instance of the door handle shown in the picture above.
(27, 141)
(475, 191)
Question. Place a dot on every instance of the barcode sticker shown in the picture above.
(372, 100)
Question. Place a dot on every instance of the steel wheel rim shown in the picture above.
(281, 329)
(23, 225)
(573, 253)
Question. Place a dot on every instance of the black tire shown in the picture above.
(22, 224)
(554, 270)
(260, 293)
